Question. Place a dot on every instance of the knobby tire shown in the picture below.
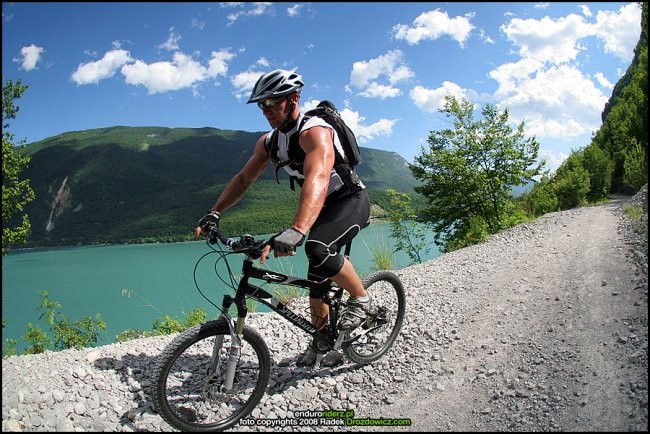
(191, 400)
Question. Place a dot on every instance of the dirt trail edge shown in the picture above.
(551, 335)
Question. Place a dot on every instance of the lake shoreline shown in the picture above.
(373, 221)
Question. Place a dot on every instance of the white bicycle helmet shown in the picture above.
(276, 83)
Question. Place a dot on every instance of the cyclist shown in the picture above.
(332, 208)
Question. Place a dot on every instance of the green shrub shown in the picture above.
(635, 166)
(541, 199)
(37, 339)
(79, 334)
(167, 325)
(476, 233)
(600, 168)
(572, 187)
(66, 334)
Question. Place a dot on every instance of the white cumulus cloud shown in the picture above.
(619, 31)
(31, 55)
(432, 100)
(94, 72)
(389, 67)
(365, 133)
(182, 72)
(433, 25)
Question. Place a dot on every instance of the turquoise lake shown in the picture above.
(158, 277)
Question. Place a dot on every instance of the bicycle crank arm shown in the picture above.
(343, 336)
(364, 332)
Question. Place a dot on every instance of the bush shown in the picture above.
(572, 182)
(131, 334)
(600, 168)
(476, 233)
(167, 325)
(541, 199)
(78, 334)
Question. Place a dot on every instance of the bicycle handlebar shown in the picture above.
(244, 244)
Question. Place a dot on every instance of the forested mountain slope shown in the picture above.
(145, 184)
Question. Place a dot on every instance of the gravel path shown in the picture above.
(542, 328)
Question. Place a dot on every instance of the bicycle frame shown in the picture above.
(332, 297)
(214, 374)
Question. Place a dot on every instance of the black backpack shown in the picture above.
(327, 111)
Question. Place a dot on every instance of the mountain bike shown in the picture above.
(212, 375)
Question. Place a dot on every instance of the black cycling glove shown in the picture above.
(207, 223)
(288, 240)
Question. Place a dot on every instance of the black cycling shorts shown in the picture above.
(336, 225)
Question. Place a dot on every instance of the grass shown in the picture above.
(633, 212)
(382, 255)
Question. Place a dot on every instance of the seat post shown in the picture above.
(348, 248)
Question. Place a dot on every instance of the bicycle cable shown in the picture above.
(222, 256)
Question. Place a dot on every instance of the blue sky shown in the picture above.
(387, 66)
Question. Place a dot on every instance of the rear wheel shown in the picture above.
(192, 392)
(376, 335)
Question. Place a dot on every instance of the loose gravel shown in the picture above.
(544, 327)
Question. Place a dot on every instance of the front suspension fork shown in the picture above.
(236, 335)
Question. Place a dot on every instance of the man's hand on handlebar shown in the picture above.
(207, 224)
(283, 244)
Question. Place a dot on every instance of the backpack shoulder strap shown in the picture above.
(303, 121)
(271, 146)
(271, 137)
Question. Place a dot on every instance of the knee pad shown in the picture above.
(323, 260)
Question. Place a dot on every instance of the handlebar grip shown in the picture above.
(214, 234)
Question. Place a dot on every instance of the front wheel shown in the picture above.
(378, 332)
(196, 390)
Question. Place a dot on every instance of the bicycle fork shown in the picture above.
(234, 352)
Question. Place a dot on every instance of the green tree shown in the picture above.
(600, 168)
(571, 182)
(635, 166)
(541, 199)
(625, 116)
(468, 172)
(16, 192)
(409, 235)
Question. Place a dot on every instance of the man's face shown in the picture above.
(275, 110)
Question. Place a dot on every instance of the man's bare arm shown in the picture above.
(241, 182)
(319, 161)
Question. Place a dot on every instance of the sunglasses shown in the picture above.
(268, 103)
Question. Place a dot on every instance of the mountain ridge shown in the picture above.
(120, 184)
